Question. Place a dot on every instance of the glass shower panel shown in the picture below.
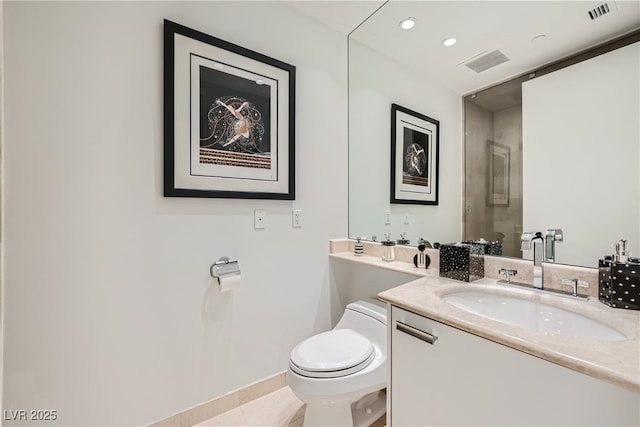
(493, 166)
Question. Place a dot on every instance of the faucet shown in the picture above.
(508, 274)
(575, 284)
(535, 239)
(552, 236)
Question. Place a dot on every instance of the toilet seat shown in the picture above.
(332, 354)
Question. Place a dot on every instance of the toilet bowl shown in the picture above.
(341, 374)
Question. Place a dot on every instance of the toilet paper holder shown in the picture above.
(224, 267)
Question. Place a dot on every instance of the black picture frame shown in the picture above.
(498, 176)
(229, 119)
(415, 157)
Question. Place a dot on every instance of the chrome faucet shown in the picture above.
(575, 284)
(552, 236)
(535, 239)
(508, 274)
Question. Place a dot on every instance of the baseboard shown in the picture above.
(224, 403)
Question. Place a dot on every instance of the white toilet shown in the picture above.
(341, 374)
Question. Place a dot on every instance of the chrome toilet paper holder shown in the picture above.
(224, 267)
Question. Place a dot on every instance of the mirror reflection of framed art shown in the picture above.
(498, 163)
(414, 157)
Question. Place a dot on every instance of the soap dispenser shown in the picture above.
(403, 239)
(621, 251)
(358, 247)
(388, 254)
(421, 260)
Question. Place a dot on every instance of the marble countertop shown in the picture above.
(617, 362)
(376, 261)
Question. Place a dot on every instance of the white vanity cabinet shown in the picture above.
(440, 375)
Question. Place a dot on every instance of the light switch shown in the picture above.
(296, 218)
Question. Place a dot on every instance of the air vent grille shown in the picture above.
(599, 11)
(486, 61)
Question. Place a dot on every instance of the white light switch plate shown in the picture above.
(296, 218)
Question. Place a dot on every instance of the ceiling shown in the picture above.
(530, 33)
(341, 15)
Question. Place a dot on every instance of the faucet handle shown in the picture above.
(507, 273)
(575, 284)
(527, 238)
(554, 234)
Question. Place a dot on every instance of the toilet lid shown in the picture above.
(335, 353)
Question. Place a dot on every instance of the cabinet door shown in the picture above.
(462, 379)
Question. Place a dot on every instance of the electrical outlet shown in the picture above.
(259, 219)
(387, 217)
(296, 218)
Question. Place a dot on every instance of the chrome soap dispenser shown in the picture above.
(620, 254)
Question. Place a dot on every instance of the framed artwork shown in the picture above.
(415, 140)
(229, 119)
(498, 162)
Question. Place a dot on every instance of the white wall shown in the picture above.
(581, 138)
(108, 317)
(376, 82)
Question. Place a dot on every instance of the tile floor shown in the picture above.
(280, 408)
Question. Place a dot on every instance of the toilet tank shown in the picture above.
(364, 315)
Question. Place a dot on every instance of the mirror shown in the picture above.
(390, 66)
(375, 83)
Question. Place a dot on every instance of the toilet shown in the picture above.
(341, 374)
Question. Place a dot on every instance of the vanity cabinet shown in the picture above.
(440, 375)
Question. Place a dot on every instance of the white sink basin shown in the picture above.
(532, 315)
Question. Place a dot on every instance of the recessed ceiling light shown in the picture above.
(408, 23)
(449, 42)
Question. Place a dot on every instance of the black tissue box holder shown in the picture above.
(619, 284)
(462, 261)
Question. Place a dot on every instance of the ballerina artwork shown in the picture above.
(236, 135)
(235, 124)
(416, 163)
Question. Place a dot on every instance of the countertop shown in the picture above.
(617, 362)
(375, 261)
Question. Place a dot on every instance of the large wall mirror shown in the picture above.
(560, 151)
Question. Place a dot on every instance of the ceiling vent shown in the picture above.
(486, 60)
(602, 10)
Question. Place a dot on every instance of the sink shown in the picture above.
(532, 315)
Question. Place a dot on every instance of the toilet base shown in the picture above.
(358, 414)
(369, 409)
